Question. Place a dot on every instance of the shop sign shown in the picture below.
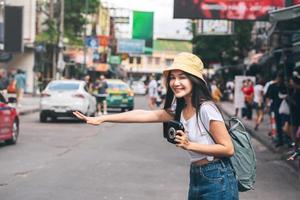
(115, 60)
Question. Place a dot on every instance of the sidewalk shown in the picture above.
(261, 134)
(29, 104)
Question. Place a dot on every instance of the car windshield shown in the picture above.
(119, 86)
(63, 86)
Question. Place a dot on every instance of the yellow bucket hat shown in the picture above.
(186, 62)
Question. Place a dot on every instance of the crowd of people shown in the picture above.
(281, 99)
(276, 101)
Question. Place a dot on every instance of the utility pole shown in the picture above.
(51, 14)
(60, 61)
(85, 34)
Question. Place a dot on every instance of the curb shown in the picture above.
(255, 135)
(28, 111)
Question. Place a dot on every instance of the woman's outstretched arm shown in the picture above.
(135, 116)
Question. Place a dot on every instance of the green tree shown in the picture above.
(225, 49)
(75, 19)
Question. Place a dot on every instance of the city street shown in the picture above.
(71, 160)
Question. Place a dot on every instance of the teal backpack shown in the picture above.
(243, 161)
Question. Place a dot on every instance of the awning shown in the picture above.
(288, 13)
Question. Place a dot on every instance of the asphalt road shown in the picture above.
(71, 160)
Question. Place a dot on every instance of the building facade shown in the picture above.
(164, 51)
(24, 60)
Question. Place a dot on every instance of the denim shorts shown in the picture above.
(213, 181)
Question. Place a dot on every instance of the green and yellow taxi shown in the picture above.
(119, 95)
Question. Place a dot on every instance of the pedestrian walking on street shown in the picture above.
(258, 102)
(152, 92)
(272, 96)
(89, 83)
(211, 175)
(20, 86)
(3, 83)
(101, 86)
(230, 90)
(215, 91)
(248, 91)
(294, 84)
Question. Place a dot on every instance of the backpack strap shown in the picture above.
(211, 134)
(212, 104)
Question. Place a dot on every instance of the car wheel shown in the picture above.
(53, 118)
(15, 134)
(130, 108)
(43, 117)
(123, 109)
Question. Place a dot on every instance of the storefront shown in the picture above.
(285, 38)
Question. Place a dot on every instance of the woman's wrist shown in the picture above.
(100, 119)
(189, 146)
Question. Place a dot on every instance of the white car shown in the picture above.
(61, 97)
(139, 87)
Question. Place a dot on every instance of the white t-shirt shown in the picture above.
(267, 86)
(196, 131)
(258, 96)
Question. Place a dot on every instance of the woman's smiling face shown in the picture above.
(180, 84)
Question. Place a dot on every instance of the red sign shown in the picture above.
(225, 9)
(103, 40)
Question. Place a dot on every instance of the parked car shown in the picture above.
(119, 95)
(61, 97)
(9, 122)
(139, 87)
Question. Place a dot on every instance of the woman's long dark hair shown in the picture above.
(200, 94)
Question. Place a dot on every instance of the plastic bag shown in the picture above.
(284, 108)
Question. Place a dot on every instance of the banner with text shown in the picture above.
(224, 9)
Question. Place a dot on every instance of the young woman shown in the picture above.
(211, 176)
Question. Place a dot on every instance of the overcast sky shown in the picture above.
(164, 24)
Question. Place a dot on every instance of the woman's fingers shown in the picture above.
(180, 132)
(89, 120)
(181, 139)
(79, 115)
(76, 113)
(180, 136)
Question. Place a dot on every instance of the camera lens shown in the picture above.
(172, 133)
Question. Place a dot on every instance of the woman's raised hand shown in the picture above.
(89, 120)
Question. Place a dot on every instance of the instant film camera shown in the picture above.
(170, 129)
